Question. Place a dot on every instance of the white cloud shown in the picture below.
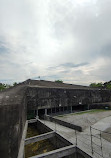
(38, 34)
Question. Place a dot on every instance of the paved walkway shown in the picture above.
(84, 138)
(87, 119)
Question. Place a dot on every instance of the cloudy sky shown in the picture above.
(55, 39)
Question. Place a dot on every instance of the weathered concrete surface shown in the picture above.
(58, 153)
(51, 84)
(66, 152)
(107, 134)
(84, 138)
(42, 127)
(86, 119)
(56, 140)
(39, 95)
(61, 97)
(104, 105)
(63, 123)
(13, 113)
(46, 94)
(39, 138)
(22, 144)
(32, 120)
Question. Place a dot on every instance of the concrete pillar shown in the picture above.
(88, 107)
(37, 114)
(51, 111)
(71, 109)
(63, 108)
(55, 109)
(45, 111)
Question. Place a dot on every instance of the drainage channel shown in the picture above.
(42, 142)
(40, 139)
(39, 147)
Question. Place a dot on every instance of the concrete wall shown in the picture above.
(42, 128)
(106, 105)
(63, 123)
(57, 140)
(56, 97)
(12, 121)
(13, 111)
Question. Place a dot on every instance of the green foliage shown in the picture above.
(106, 85)
(93, 85)
(2, 86)
(100, 85)
(59, 81)
(5, 86)
(96, 85)
(15, 83)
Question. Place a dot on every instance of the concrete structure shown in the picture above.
(21, 153)
(66, 152)
(91, 140)
(45, 97)
(39, 138)
(63, 123)
(40, 97)
(13, 115)
(64, 148)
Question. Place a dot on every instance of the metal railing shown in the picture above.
(93, 142)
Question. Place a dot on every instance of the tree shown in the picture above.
(15, 83)
(100, 85)
(106, 85)
(59, 81)
(2, 86)
(96, 85)
(92, 85)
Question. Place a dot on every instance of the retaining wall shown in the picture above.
(63, 123)
(62, 97)
(58, 141)
(12, 121)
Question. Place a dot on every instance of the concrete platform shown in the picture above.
(84, 138)
(84, 120)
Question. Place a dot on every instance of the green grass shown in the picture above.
(89, 112)
(85, 112)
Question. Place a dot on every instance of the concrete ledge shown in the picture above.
(43, 127)
(40, 137)
(83, 153)
(63, 139)
(21, 149)
(63, 123)
(65, 151)
(32, 120)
